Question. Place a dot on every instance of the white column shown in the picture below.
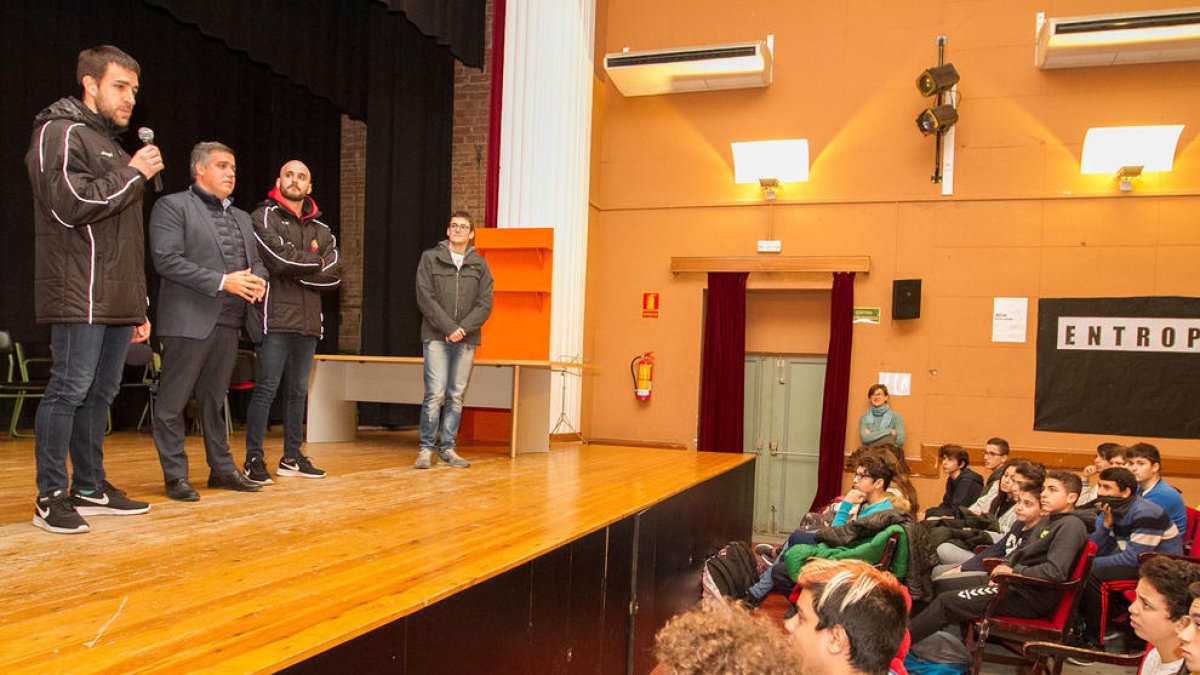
(545, 141)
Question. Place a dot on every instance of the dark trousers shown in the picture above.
(282, 358)
(85, 377)
(954, 607)
(200, 367)
(1089, 605)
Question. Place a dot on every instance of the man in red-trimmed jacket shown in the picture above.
(300, 253)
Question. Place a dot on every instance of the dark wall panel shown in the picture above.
(568, 610)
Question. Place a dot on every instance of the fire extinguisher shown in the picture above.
(642, 370)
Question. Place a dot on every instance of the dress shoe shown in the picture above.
(181, 490)
(233, 480)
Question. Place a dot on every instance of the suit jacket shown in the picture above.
(187, 255)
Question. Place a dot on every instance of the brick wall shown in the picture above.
(350, 244)
(472, 93)
(468, 179)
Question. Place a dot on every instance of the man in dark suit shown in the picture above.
(204, 250)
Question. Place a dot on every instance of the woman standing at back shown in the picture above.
(880, 424)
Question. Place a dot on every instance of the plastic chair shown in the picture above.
(1013, 632)
(17, 383)
(242, 379)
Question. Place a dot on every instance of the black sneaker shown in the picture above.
(57, 514)
(302, 467)
(256, 471)
(107, 501)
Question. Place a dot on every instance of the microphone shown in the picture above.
(146, 136)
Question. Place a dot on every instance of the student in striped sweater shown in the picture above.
(1128, 525)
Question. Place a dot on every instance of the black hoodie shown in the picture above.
(89, 262)
(1052, 547)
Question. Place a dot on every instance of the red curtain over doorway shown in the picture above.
(837, 391)
(723, 375)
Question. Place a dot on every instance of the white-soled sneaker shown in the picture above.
(451, 457)
(301, 467)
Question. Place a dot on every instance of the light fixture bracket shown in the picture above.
(1125, 176)
(768, 187)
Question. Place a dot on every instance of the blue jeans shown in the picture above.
(763, 586)
(447, 370)
(285, 357)
(85, 377)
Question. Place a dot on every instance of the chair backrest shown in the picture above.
(1070, 598)
(1193, 532)
(139, 355)
(6, 342)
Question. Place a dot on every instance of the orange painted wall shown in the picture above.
(1022, 222)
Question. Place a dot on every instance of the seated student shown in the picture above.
(1049, 552)
(995, 460)
(1028, 511)
(962, 484)
(1145, 463)
(867, 495)
(956, 539)
(1159, 614)
(1188, 631)
(900, 490)
(850, 618)
(1160, 608)
(723, 639)
(1128, 525)
(1106, 454)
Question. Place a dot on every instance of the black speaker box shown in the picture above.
(906, 299)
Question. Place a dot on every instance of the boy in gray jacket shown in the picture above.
(454, 292)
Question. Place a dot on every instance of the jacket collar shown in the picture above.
(309, 209)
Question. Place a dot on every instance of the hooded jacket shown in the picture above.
(452, 298)
(89, 247)
(301, 256)
(921, 555)
(1052, 546)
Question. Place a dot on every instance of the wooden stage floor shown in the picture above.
(255, 582)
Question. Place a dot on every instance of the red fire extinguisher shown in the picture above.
(642, 370)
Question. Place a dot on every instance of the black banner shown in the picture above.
(1123, 366)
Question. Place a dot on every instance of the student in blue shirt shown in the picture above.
(1145, 463)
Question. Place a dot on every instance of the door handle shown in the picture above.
(774, 448)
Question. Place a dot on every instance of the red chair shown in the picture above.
(1126, 586)
(1013, 632)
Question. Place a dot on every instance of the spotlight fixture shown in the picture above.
(937, 120)
(937, 79)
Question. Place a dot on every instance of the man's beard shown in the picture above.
(294, 196)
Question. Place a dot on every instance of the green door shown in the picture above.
(783, 428)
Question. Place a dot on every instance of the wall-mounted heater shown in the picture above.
(1118, 39)
(741, 65)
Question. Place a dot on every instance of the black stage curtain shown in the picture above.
(408, 189)
(458, 24)
(323, 45)
(192, 88)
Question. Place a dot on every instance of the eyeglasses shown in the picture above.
(990, 453)
(858, 475)
(459, 227)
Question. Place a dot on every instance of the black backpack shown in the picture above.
(732, 570)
